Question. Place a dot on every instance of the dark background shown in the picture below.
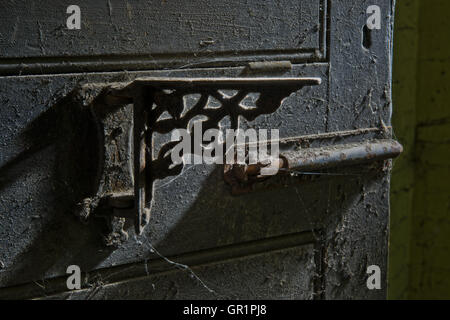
(420, 197)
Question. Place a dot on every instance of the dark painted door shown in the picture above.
(67, 150)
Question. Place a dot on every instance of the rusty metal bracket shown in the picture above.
(149, 99)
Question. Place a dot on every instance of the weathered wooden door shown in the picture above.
(73, 117)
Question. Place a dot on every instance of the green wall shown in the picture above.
(419, 261)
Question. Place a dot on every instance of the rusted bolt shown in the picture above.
(242, 177)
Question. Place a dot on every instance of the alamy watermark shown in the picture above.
(243, 147)
(73, 22)
(374, 278)
(73, 281)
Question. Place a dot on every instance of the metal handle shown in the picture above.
(242, 177)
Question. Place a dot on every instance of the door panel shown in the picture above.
(50, 151)
(286, 274)
(154, 34)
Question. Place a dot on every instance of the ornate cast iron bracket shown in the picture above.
(149, 99)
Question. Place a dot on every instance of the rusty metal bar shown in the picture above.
(243, 178)
(342, 155)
